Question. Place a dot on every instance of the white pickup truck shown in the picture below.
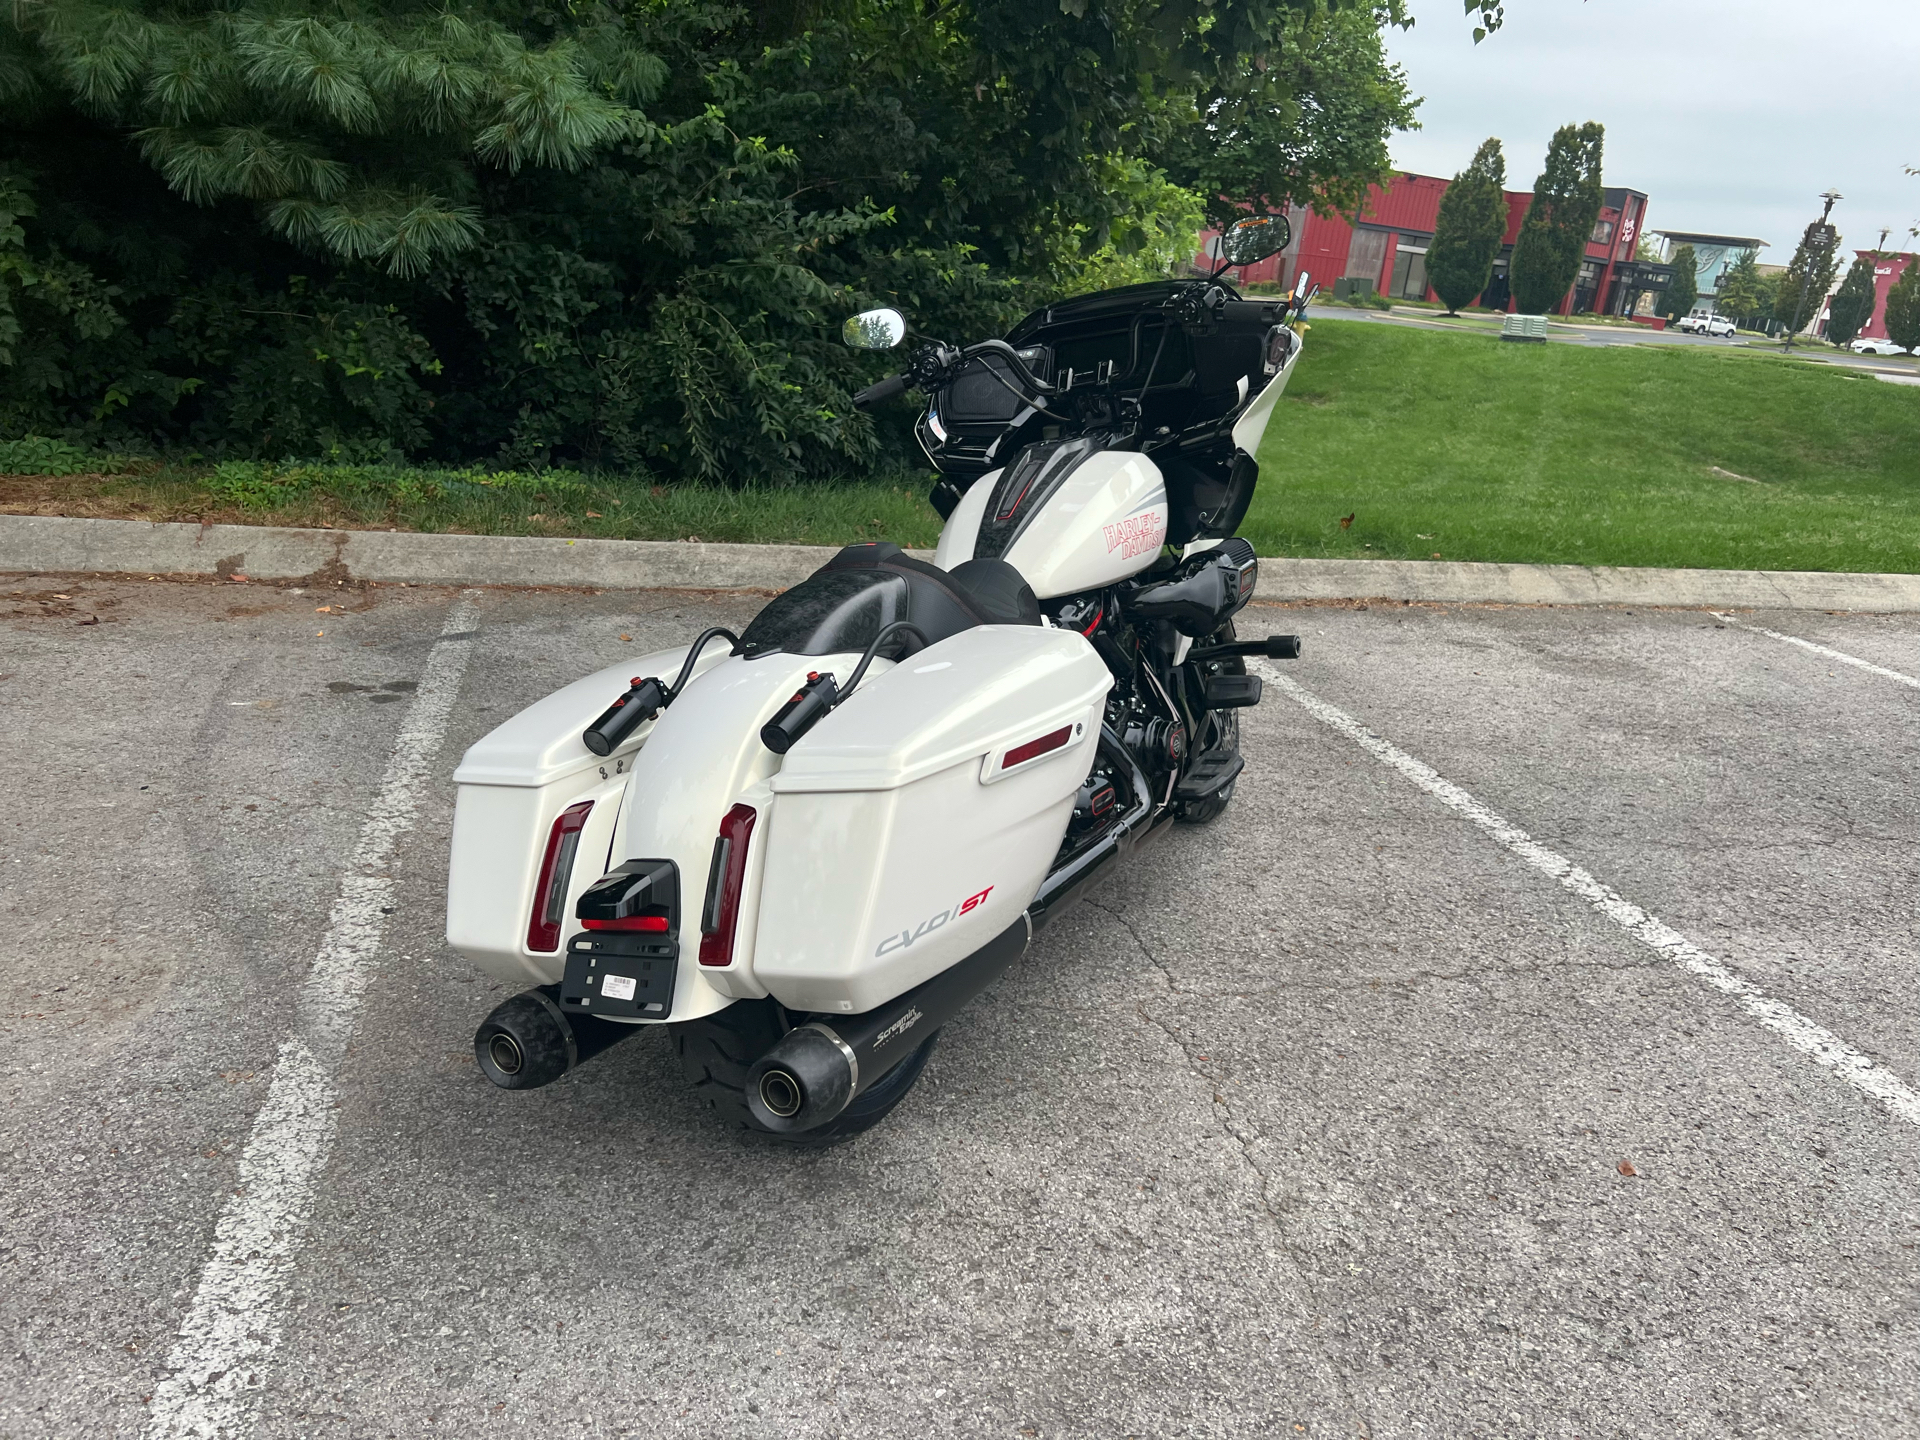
(1701, 323)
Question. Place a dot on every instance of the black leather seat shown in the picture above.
(845, 603)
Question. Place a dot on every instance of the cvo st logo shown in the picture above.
(927, 927)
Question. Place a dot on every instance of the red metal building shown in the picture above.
(1387, 247)
(1887, 270)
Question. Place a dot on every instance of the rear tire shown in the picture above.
(717, 1051)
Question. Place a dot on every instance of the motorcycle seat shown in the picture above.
(986, 592)
(845, 603)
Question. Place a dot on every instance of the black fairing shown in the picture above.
(1207, 501)
(844, 605)
(1024, 488)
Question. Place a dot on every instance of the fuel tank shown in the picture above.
(1067, 515)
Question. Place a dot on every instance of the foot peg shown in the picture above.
(1232, 692)
(1274, 647)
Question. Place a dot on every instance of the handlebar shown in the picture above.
(880, 392)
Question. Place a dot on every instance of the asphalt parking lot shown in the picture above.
(1348, 1115)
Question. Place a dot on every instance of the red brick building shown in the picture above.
(1387, 247)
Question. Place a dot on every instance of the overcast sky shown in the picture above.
(1733, 115)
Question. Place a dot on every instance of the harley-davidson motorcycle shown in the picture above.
(804, 847)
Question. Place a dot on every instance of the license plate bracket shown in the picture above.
(616, 975)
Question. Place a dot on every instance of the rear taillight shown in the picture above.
(725, 880)
(556, 872)
(631, 922)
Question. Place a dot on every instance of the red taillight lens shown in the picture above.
(632, 922)
(556, 870)
(725, 880)
(1020, 754)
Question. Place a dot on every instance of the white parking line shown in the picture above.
(217, 1367)
(1831, 654)
(1812, 1040)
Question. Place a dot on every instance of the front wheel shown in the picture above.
(718, 1050)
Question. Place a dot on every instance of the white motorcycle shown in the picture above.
(812, 845)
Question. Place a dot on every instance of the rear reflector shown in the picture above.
(1033, 749)
(631, 922)
(556, 873)
(725, 880)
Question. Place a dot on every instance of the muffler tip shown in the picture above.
(504, 1051)
(525, 1043)
(780, 1093)
(802, 1082)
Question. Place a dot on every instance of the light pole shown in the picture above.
(1818, 240)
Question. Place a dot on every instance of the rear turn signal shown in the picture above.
(725, 880)
(556, 872)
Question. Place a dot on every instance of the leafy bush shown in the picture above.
(605, 236)
(37, 455)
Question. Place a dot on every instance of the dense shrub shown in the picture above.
(607, 234)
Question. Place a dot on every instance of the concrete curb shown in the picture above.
(1462, 582)
(51, 544)
(261, 552)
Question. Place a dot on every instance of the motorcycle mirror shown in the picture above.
(875, 330)
(1255, 238)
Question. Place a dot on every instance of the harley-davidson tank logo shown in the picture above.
(926, 927)
(899, 1027)
(1136, 534)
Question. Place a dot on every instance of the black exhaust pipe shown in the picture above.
(529, 1041)
(1061, 890)
(815, 1071)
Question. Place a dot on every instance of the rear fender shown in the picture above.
(705, 756)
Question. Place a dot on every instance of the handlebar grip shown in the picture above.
(1254, 312)
(880, 393)
(641, 703)
(811, 701)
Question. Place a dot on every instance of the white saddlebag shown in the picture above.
(512, 786)
(917, 820)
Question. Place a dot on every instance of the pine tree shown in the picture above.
(1685, 289)
(1808, 278)
(1471, 224)
(1741, 295)
(362, 138)
(1852, 303)
(1566, 204)
(1903, 308)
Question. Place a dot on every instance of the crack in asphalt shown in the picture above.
(1244, 1147)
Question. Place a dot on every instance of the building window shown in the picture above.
(1409, 272)
(1367, 256)
(1602, 233)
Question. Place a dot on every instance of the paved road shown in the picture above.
(1320, 1124)
(1569, 334)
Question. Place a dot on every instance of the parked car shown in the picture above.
(1701, 323)
(1865, 345)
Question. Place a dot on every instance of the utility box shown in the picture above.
(1525, 327)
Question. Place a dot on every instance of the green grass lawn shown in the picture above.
(478, 502)
(1474, 449)
(1442, 443)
